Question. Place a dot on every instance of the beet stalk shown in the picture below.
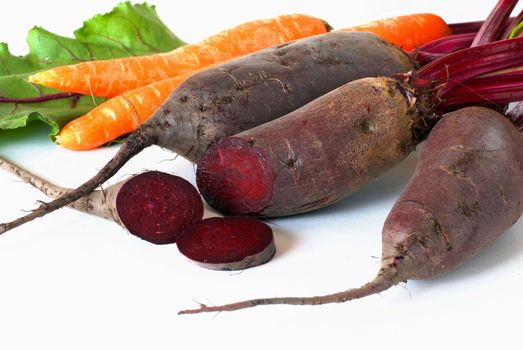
(497, 26)
(493, 26)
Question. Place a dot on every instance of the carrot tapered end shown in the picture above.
(60, 78)
(408, 31)
(48, 78)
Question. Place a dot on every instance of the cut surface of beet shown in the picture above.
(228, 243)
(235, 177)
(157, 207)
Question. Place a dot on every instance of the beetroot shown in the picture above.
(228, 243)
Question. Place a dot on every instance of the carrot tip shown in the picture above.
(33, 78)
(42, 77)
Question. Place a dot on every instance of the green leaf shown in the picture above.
(49, 50)
(55, 112)
(136, 28)
(10, 64)
(127, 30)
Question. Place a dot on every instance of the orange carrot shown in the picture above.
(117, 116)
(110, 78)
(407, 32)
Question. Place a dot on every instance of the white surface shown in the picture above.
(71, 281)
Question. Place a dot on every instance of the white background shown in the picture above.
(71, 281)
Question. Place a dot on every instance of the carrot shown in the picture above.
(407, 32)
(110, 78)
(117, 116)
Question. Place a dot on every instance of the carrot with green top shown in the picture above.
(407, 32)
(109, 78)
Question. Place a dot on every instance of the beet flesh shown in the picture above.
(236, 177)
(157, 207)
(228, 243)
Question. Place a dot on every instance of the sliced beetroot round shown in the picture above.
(157, 207)
(235, 177)
(228, 243)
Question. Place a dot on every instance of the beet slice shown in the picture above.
(228, 243)
(157, 207)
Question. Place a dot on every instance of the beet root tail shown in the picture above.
(134, 145)
(37, 182)
(384, 280)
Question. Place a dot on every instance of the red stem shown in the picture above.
(453, 69)
(440, 47)
(465, 27)
(472, 27)
(493, 26)
(42, 98)
(447, 44)
(493, 91)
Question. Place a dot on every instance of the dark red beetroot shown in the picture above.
(467, 189)
(228, 243)
(154, 206)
